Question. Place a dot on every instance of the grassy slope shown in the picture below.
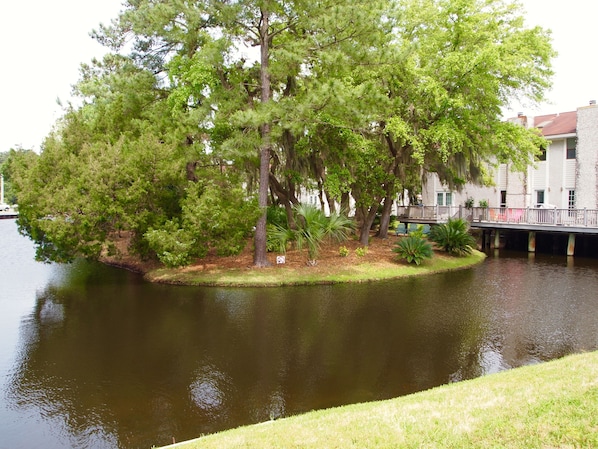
(363, 272)
(550, 405)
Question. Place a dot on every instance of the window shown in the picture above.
(539, 196)
(571, 148)
(542, 155)
(444, 198)
(571, 199)
(503, 198)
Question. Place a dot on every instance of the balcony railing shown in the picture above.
(514, 215)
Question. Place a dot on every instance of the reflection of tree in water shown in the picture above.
(138, 364)
(40, 387)
(122, 362)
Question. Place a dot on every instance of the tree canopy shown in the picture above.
(208, 111)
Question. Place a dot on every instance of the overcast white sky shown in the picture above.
(45, 41)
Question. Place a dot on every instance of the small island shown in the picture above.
(344, 262)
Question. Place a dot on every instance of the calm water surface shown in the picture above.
(94, 357)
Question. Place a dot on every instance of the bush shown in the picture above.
(278, 238)
(453, 237)
(313, 227)
(343, 251)
(414, 249)
(173, 245)
(215, 216)
(276, 215)
(360, 252)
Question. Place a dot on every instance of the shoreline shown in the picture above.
(551, 404)
(358, 264)
(276, 276)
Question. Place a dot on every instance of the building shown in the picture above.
(565, 177)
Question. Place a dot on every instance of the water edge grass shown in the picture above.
(281, 276)
(549, 405)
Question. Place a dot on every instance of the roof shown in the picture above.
(557, 124)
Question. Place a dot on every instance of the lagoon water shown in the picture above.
(94, 357)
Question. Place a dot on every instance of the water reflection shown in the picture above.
(111, 361)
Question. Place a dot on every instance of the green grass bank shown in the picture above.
(361, 271)
(550, 405)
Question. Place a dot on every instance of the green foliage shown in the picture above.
(361, 251)
(173, 246)
(483, 203)
(469, 202)
(8, 160)
(453, 237)
(74, 199)
(418, 232)
(279, 237)
(276, 215)
(219, 215)
(313, 227)
(214, 216)
(343, 251)
(414, 249)
(364, 96)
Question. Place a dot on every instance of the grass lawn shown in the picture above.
(551, 405)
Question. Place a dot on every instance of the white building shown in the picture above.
(565, 177)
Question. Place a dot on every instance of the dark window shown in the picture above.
(539, 196)
(542, 155)
(503, 198)
(571, 147)
(571, 201)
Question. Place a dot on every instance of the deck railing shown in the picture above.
(514, 215)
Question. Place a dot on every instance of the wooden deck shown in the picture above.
(576, 221)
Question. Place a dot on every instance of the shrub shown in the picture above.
(361, 251)
(214, 216)
(414, 249)
(313, 227)
(453, 237)
(276, 215)
(278, 238)
(172, 245)
(343, 251)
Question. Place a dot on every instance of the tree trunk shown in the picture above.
(260, 258)
(286, 197)
(385, 217)
(331, 202)
(345, 203)
(364, 233)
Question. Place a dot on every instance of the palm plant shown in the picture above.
(453, 237)
(414, 249)
(313, 227)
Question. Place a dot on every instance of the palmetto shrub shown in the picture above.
(313, 228)
(414, 249)
(453, 237)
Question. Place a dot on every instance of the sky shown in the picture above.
(44, 42)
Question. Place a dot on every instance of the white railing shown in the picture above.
(515, 215)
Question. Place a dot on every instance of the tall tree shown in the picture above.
(306, 49)
(461, 61)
